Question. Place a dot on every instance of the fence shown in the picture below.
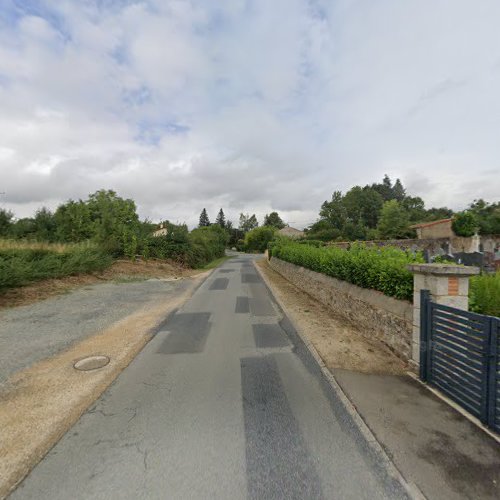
(461, 357)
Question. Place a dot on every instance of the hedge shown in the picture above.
(383, 269)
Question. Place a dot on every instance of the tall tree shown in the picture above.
(334, 212)
(393, 222)
(248, 222)
(274, 220)
(398, 191)
(5, 221)
(204, 220)
(221, 219)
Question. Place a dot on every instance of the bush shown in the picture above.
(257, 239)
(484, 294)
(28, 263)
(206, 244)
(383, 269)
(464, 224)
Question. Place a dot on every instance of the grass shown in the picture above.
(22, 263)
(484, 294)
(216, 263)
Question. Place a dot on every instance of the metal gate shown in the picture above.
(460, 356)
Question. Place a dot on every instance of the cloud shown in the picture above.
(252, 106)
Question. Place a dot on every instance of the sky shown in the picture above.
(248, 105)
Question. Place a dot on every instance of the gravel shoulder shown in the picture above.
(42, 395)
(34, 332)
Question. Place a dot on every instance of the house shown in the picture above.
(161, 231)
(435, 229)
(291, 232)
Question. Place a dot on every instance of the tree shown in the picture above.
(257, 239)
(73, 223)
(385, 188)
(113, 220)
(393, 222)
(248, 222)
(45, 225)
(274, 220)
(204, 220)
(363, 206)
(464, 224)
(221, 219)
(5, 221)
(334, 212)
(487, 215)
(398, 191)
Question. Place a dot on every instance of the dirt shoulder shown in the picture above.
(338, 342)
(40, 403)
(119, 271)
(434, 446)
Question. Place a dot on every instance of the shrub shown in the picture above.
(383, 269)
(464, 224)
(484, 294)
(257, 239)
(28, 263)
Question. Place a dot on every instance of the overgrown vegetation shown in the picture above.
(22, 263)
(383, 269)
(484, 294)
(257, 239)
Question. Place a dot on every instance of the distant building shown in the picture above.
(291, 232)
(161, 231)
(435, 229)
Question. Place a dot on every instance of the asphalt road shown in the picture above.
(226, 403)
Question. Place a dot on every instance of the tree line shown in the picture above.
(386, 211)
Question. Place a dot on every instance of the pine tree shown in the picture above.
(221, 219)
(204, 220)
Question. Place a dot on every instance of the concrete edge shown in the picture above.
(82, 404)
(456, 407)
(411, 488)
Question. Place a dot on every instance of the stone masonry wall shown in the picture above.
(376, 315)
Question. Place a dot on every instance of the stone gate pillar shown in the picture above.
(448, 284)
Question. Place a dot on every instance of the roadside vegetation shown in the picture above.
(484, 294)
(383, 269)
(22, 263)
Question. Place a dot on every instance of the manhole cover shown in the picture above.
(91, 363)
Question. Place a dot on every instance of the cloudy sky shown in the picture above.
(249, 105)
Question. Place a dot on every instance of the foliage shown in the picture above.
(221, 219)
(248, 222)
(487, 216)
(257, 239)
(273, 219)
(464, 224)
(5, 221)
(393, 223)
(204, 220)
(484, 294)
(383, 269)
(206, 244)
(21, 264)
(356, 215)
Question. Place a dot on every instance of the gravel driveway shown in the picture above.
(31, 333)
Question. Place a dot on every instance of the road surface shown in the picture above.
(226, 403)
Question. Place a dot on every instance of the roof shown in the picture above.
(290, 230)
(433, 223)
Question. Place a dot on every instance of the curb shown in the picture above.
(411, 488)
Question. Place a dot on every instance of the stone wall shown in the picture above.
(374, 314)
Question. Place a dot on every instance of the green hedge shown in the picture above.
(382, 269)
(20, 266)
(484, 294)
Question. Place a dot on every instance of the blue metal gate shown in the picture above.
(460, 357)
